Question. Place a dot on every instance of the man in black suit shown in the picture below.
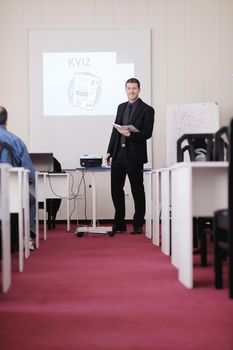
(127, 152)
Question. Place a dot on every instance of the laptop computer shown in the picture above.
(42, 162)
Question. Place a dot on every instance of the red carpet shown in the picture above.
(98, 292)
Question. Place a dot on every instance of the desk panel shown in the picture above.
(165, 211)
(156, 206)
(5, 227)
(50, 186)
(16, 205)
(148, 194)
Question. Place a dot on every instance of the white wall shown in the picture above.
(192, 50)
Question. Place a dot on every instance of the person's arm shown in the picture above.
(144, 125)
(114, 135)
(27, 163)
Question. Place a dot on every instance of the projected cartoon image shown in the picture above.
(81, 83)
(85, 90)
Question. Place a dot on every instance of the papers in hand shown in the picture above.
(125, 127)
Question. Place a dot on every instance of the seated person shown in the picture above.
(20, 158)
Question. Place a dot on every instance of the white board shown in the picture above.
(194, 118)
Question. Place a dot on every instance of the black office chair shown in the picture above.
(198, 146)
(221, 144)
(52, 205)
(223, 229)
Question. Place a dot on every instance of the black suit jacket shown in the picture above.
(143, 120)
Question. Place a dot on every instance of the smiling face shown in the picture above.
(132, 91)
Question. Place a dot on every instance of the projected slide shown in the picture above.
(83, 83)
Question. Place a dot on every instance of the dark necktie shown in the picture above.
(126, 119)
(129, 107)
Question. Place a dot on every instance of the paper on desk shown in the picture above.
(126, 127)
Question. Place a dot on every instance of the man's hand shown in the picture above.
(108, 159)
(124, 132)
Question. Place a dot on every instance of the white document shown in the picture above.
(126, 127)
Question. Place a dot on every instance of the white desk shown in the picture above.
(148, 194)
(5, 227)
(161, 208)
(156, 205)
(50, 186)
(16, 205)
(165, 210)
(26, 215)
(93, 228)
(197, 189)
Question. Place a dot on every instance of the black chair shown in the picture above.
(223, 229)
(221, 144)
(198, 146)
(52, 205)
(201, 226)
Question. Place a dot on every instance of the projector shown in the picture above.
(90, 161)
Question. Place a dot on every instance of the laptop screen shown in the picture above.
(42, 161)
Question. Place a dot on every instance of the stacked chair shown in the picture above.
(198, 146)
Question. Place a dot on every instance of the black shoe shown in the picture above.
(137, 230)
(79, 234)
(32, 234)
(197, 251)
(116, 228)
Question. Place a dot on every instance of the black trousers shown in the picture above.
(120, 168)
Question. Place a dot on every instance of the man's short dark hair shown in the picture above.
(133, 80)
(3, 115)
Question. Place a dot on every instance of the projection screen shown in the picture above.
(76, 81)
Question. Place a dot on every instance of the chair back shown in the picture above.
(198, 146)
(221, 144)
